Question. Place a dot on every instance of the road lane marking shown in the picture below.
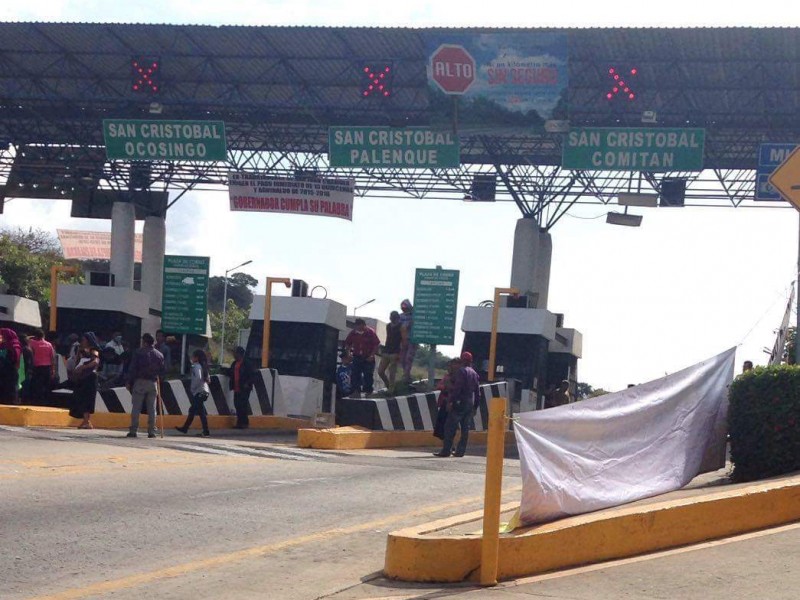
(236, 556)
(116, 467)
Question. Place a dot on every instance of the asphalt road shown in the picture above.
(91, 514)
(95, 515)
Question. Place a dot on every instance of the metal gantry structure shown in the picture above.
(279, 89)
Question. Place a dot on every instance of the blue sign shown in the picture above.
(770, 157)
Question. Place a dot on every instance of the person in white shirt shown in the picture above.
(200, 392)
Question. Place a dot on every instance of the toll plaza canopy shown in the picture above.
(515, 99)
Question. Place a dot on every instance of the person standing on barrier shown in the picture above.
(390, 355)
(200, 392)
(145, 372)
(241, 382)
(408, 350)
(463, 397)
(362, 343)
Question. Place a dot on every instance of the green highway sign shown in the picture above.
(405, 148)
(137, 139)
(435, 305)
(633, 149)
(184, 303)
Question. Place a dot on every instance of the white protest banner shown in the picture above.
(644, 441)
(92, 245)
(321, 197)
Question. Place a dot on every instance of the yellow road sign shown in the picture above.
(786, 178)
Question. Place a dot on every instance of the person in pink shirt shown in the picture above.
(44, 368)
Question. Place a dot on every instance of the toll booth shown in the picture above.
(304, 341)
(531, 349)
(562, 358)
(102, 309)
(19, 314)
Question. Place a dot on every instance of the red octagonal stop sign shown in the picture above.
(452, 68)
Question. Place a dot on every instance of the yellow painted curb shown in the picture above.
(360, 438)
(38, 416)
(415, 554)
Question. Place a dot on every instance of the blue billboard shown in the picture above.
(520, 79)
(770, 156)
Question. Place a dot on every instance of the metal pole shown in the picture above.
(183, 355)
(490, 544)
(432, 368)
(797, 325)
(268, 317)
(54, 270)
(224, 315)
(53, 297)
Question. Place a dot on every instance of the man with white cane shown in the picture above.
(144, 375)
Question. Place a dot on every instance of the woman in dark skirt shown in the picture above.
(84, 380)
(10, 352)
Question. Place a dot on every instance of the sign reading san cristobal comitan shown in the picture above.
(138, 139)
(405, 148)
(634, 149)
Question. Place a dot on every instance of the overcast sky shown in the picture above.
(686, 285)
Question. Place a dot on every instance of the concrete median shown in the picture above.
(415, 554)
(42, 416)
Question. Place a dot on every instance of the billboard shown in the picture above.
(92, 245)
(500, 79)
(323, 197)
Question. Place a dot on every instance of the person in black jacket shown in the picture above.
(242, 378)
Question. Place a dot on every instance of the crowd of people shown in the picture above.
(356, 373)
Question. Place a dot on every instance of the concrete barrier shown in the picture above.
(415, 554)
(38, 416)
(361, 438)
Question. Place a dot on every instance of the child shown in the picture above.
(200, 392)
(344, 376)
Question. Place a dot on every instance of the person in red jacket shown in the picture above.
(44, 368)
(362, 343)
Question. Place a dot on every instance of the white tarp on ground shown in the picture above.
(640, 442)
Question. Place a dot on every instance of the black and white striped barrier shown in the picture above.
(176, 396)
(416, 412)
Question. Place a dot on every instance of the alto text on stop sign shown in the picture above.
(453, 70)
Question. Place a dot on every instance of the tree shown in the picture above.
(236, 318)
(27, 256)
(239, 290)
(423, 355)
(587, 391)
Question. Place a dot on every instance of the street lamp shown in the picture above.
(225, 310)
(362, 306)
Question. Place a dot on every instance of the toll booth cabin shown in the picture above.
(562, 359)
(533, 352)
(20, 314)
(304, 338)
(103, 310)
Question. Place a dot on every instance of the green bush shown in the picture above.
(764, 422)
